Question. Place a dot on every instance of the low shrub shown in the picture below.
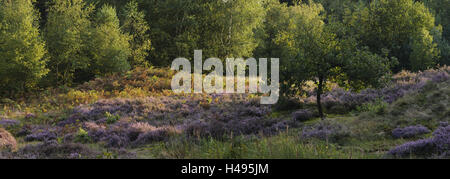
(410, 131)
(111, 119)
(53, 150)
(343, 101)
(437, 146)
(122, 134)
(8, 123)
(82, 136)
(45, 135)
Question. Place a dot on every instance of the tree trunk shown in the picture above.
(319, 94)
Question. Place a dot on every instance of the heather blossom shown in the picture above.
(410, 131)
(41, 136)
(8, 122)
(437, 146)
(403, 83)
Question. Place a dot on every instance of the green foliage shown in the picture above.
(227, 27)
(147, 79)
(441, 9)
(22, 51)
(134, 23)
(82, 45)
(221, 29)
(82, 136)
(310, 50)
(403, 27)
(113, 3)
(67, 32)
(276, 20)
(336, 10)
(111, 119)
(378, 107)
(109, 47)
(359, 68)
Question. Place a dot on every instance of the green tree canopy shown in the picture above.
(441, 10)
(309, 50)
(67, 32)
(134, 23)
(403, 27)
(109, 47)
(219, 28)
(22, 61)
(227, 27)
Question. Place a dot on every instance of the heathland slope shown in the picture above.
(136, 116)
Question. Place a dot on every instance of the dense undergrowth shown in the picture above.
(135, 115)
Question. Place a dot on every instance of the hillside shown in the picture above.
(130, 122)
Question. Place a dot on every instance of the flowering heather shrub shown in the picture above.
(97, 135)
(422, 148)
(53, 150)
(442, 139)
(440, 77)
(8, 122)
(137, 129)
(117, 140)
(41, 136)
(113, 136)
(226, 114)
(157, 118)
(143, 108)
(410, 131)
(93, 126)
(339, 100)
(437, 146)
(124, 134)
(326, 130)
(164, 110)
(443, 124)
(242, 126)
